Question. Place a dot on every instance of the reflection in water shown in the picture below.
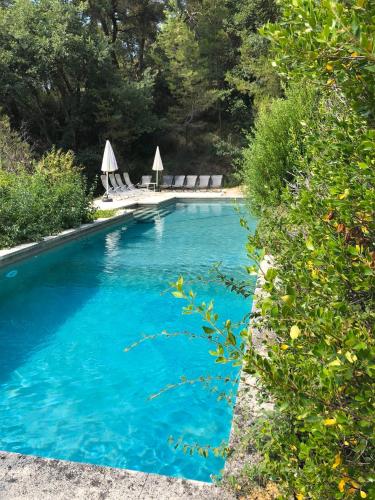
(191, 209)
(216, 209)
(159, 227)
(112, 241)
(112, 249)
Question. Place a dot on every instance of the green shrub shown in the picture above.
(319, 441)
(318, 295)
(52, 198)
(269, 161)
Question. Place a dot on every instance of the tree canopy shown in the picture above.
(139, 72)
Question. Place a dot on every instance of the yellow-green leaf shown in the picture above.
(352, 358)
(344, 195)
(329, 422)
(309, 244)
(337, 461)
(295, 332)
(336, 362)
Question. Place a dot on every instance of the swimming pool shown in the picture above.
(68, 390)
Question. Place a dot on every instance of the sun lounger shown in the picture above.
(191, 182)
(216, 181)
(167, 182)
(130, 185)
(179, 181)
(124, 188)
(204, 181)
(119, 182)
(145, 181)
(111, 190)
(125, 191)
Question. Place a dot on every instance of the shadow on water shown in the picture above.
(40, 294)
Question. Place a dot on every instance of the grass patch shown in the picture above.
(105, 214)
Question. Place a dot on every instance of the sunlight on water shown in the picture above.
(68, 390)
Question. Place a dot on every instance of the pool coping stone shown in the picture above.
(35, 478)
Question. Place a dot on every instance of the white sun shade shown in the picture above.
(109, 163)
(158, 164)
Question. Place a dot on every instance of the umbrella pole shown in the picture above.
(157, 179)
(106, 196)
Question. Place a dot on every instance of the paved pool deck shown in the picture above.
(33, 478)
(152, 198)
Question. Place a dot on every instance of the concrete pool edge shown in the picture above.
(15, 254)
(30, 477)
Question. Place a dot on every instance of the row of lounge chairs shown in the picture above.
(186, 181)
(120, 186)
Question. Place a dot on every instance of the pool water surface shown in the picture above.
(67, 388)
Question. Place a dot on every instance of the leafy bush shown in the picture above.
(318, 295)
(269, 161)
(319, 441)
(52, 198)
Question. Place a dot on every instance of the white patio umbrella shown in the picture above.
(109, 164)
(158, 165)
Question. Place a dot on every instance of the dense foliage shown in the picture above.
(317, 221)
(42, 200)
(271, 161)
(138, 72)
(319, 301)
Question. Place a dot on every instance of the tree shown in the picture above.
(184, 71)
(130, 27)
(59, 81)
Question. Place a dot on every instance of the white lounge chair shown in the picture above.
(167, 182)
(124, 190)
(122, 185)
(179, 181)
(216, 181)
(130, 185)
(191, 182)
(204, 181)
(145, 181)
(113, 192)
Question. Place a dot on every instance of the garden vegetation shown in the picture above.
(195, 75)
(177, 73)
(309, 172)
(39, 198)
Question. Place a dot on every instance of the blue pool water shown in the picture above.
(67, 388)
